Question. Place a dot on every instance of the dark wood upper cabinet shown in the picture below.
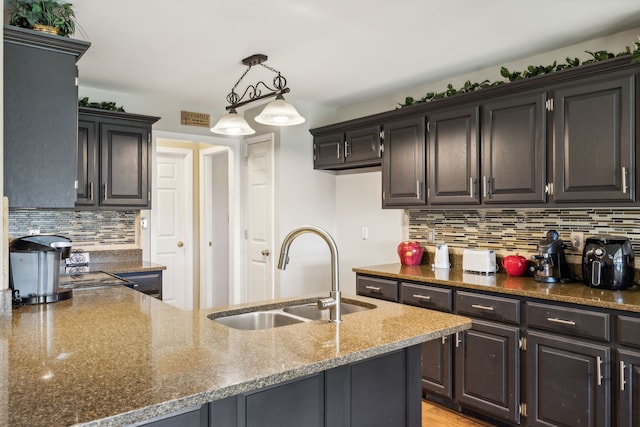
(404, 161)
(114, 162)
(594, 139)
(40, 118)
(346, 149)
(514, 149)
(454, 143)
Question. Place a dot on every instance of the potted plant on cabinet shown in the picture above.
(49, 16)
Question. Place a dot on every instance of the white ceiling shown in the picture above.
(332, 52)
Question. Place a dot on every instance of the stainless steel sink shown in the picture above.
(298, 312)
(258, 320)
(311, 311)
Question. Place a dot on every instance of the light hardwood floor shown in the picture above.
(436, 416)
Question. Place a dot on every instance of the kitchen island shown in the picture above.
(115, 356)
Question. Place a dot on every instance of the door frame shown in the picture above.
(206, 207)
(147, 239)
(187, 155)
(267, 137)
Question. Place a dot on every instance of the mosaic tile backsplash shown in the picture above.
(519, 230)
(85, 228)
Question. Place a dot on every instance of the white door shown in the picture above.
(173, 206)
(260, 218)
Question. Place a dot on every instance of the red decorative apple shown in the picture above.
(515, 265)
(410, 253)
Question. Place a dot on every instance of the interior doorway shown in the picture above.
(210, 154)
(216, 235)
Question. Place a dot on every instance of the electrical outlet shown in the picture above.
(577, 240)
(431, 235)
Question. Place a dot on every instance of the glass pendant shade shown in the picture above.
(280, 113)
(232, 124)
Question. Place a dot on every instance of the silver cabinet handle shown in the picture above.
(266, 252)
(373, 288)
(444, 339)
(105, 192)
(458, 341)
(624, 180)
(561, 321)
(418, 189)
(482, 307)
(338, 150)
(622, 381)
(346, 149)
(484, 186)
(91, 191)
(598, 370)
(471, 187)
(422, 297)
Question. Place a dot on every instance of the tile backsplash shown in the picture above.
(519, 230)
(85, 228)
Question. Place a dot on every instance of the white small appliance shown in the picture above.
(442, 256)
(479, 261)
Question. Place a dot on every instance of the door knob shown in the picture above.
(266, 252)
(180, 244)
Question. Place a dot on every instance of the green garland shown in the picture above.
(111, 106)
(531, 71)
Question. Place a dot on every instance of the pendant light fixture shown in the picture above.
(278, 112)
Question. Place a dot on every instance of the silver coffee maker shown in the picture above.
(34, 268)
(550, 265)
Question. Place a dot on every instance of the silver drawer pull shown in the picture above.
(622, 381)
(564, 322)
(482, 307)
(422, 297)
(373, 288)
(598, 370)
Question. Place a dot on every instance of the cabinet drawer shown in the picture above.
(573, 321)
(377, 288)
(488, 307)
(426, 296)
(629, 331)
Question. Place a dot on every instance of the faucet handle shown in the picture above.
(325, 303)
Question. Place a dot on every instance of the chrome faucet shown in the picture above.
(333, 302)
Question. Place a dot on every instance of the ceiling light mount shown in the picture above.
(278, 112)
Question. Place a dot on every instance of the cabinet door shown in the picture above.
(453, 157)
(488, 369)
(40, 118)
(628, 388)
(87, 164)
(568, 383)
(124, 165)
(327, 150)
(403, 163)
(594, 139)
(514, 149)
(437, 367)
(362, 146)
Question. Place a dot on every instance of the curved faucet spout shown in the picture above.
(333, 303)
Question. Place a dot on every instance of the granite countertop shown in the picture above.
(119, 267)
(572, 292)
(115, 356)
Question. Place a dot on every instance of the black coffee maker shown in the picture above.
(550, 265)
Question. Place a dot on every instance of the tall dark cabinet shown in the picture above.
(594, 139)
(404, 163)
(114, 159)
(454, 150)
(40, 118)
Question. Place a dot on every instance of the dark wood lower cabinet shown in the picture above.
(628, 388)
(567, 382)
(487, 370)
(437, 369)
(381, 391)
